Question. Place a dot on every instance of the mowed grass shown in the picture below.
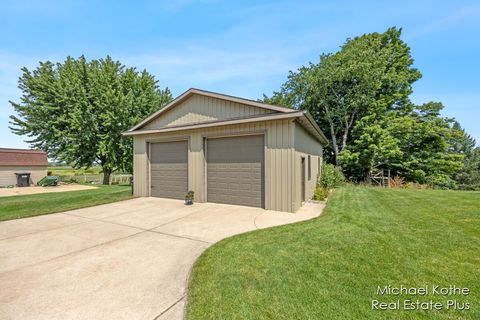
(330, 267)
(37, 204)
(69, 171)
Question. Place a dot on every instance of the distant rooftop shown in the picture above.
(22, 157)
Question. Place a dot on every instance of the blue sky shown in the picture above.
(243, 48)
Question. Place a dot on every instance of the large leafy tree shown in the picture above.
(370, 75)
(416, 145)
(77, 110)
(373, 146)
(360, 96)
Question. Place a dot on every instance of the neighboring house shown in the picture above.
(14, 161)
(228, 150)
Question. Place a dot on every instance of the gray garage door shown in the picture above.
(169, 169)
(235, 171)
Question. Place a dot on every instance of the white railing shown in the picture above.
(120, 178)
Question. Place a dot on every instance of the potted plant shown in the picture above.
(189, 197)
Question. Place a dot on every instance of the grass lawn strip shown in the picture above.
(330, 267)
(37, 204)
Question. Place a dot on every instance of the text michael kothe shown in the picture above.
(450, 292)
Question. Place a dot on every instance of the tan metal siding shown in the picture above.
(305, 145)
(279, 157)
(305, 142)
(140, 167)
(8, 177)
(199, 109)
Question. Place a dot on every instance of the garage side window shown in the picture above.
(309, 167)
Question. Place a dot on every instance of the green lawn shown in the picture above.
(37, 204)
(330, 267)
(69, 171)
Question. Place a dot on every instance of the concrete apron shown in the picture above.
(125, 260)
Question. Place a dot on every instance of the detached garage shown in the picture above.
(15, 162)
(228, 150)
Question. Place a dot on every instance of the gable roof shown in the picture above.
(278, 112)
(22, 157)
(184, 96)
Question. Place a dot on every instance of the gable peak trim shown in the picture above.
(211, 94)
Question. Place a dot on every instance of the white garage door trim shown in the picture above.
(264, 160)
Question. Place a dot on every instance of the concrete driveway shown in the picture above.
(125, 260)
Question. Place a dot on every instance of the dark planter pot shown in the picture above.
(188, 202)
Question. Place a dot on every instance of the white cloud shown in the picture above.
(231, 60)
(456, 17)
(204, 66)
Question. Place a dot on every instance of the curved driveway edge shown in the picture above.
(124, 260)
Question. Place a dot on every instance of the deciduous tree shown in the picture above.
(370, 75)
(77, 110)
(360, 97)
(416, 145)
